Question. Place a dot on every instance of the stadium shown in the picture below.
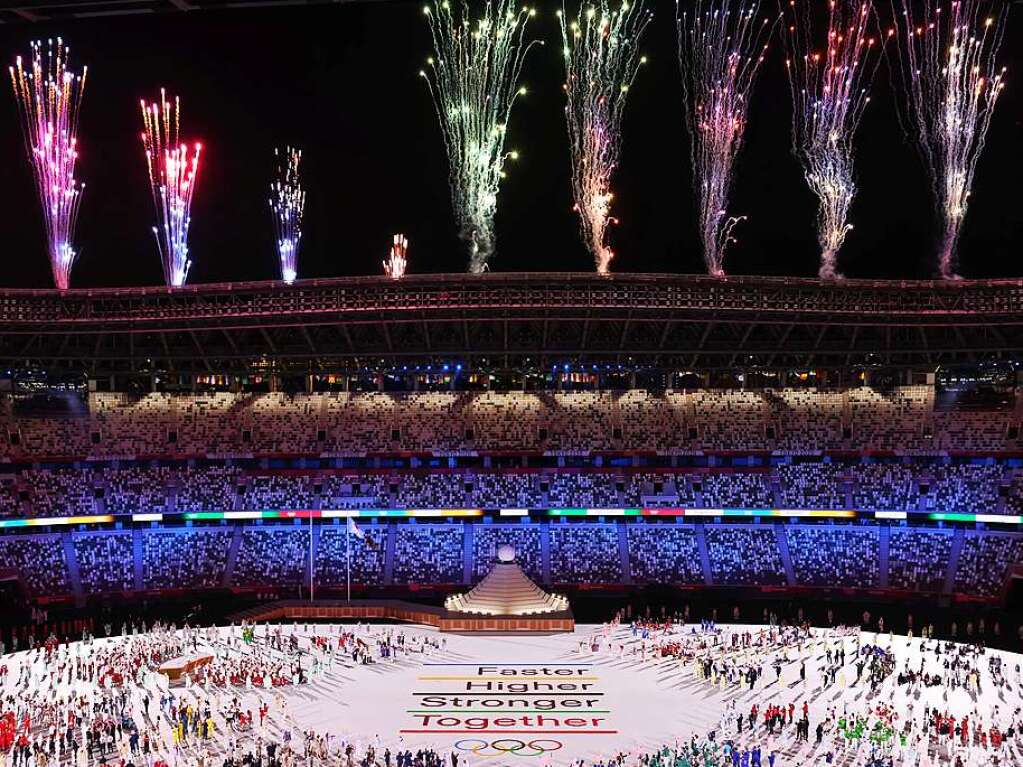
(663, 449)
(269, 501)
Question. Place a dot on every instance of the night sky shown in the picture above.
(342, 83)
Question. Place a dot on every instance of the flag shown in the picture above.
(355, 530)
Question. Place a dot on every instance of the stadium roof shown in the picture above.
(514, 321)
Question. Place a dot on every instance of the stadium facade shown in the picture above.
(621, 431)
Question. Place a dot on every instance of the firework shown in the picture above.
(397, 259)
(721, 45)
(829, 94)
(49, 96)
(287, 203)
(173, 168)
(952, 82)
(601, 61)
(473, 79)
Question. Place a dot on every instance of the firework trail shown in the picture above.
(952, 83)
(397, 259)
(49, 98)
(721, 45)
(173, 168)
(287, 203)
(829, 94)
(601, 61)
(473, 79)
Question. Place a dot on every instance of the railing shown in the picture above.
(513, 292)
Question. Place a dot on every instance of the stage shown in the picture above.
(406, 612)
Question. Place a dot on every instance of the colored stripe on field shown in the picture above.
(488, 692)
(509, 678)
(506, 711)
(525, 732)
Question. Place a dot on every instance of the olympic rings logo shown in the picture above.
(508, 746)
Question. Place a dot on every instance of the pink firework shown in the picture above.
(721, 45)
(602, 58)
(173, 168)
(952, 80)
(830, 89)
(49, 96)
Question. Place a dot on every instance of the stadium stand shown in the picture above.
(918, 559)
(786, 420)
(812, 486)
(200, 452)
(830, 556)
(664, 554)
(428, 554)
(736, 490)
(440, 491)
(745, 556)
(60, 492)
(821, 556)
(352, 491)
(135, 489)
(39, 561)
(105, 562)
(366, 559)
(276, 556)
(585, 554)
(886, 486)
(184, 559)
(982, 562)
(212, 487)
(583, 490)
(279, 491)
(921, 486)
(966, 488)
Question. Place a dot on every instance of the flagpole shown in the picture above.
(311, 563)
(348, 560)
